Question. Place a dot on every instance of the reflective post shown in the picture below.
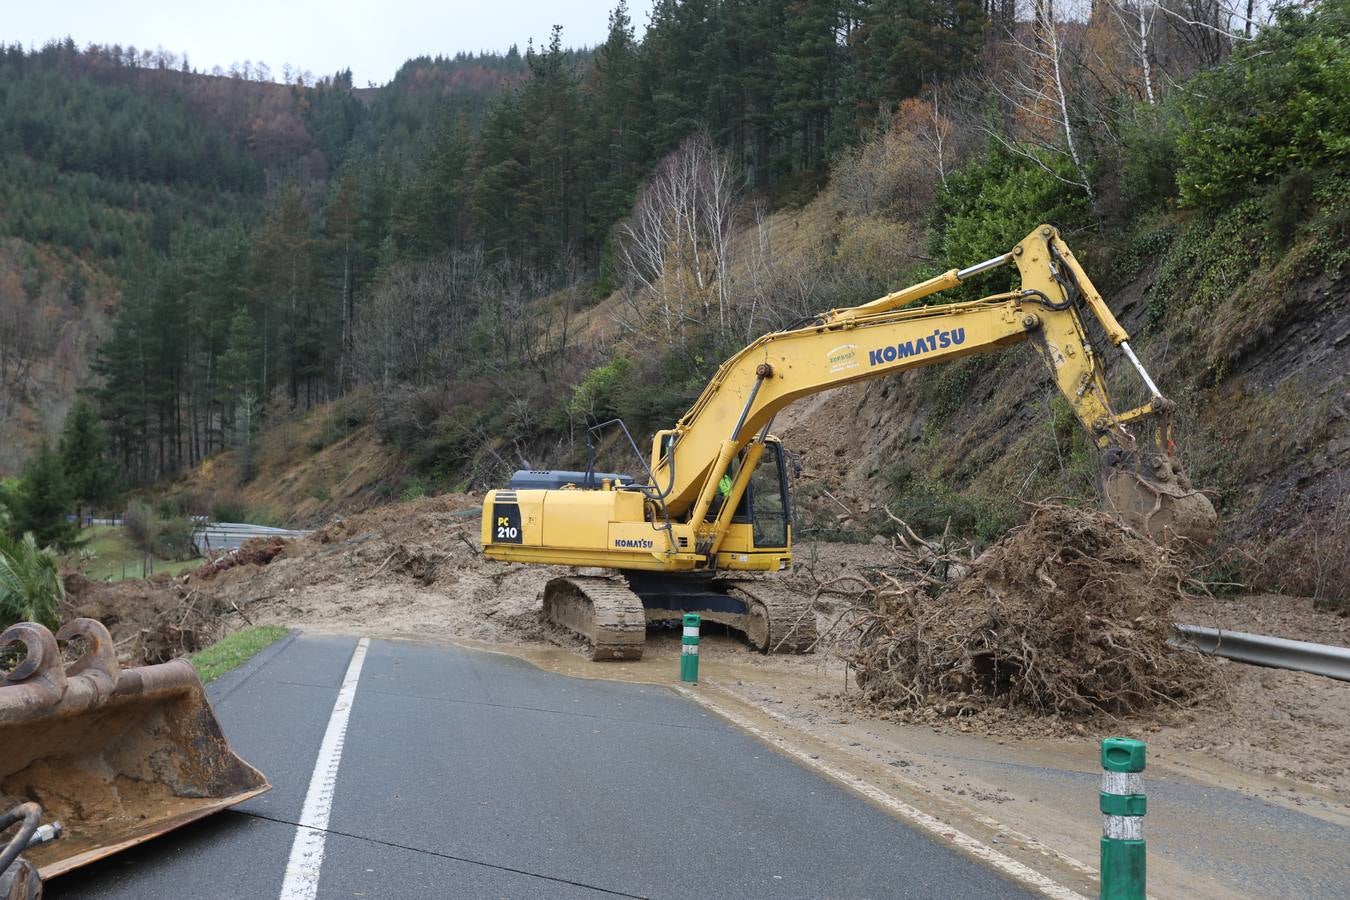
(1122, 805)
(689, 648)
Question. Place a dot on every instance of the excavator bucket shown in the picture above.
(1151, 493)
(115, 756)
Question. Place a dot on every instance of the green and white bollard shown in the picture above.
(689, 648)
(1122, 804)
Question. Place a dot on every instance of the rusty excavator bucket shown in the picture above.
(115, 756)
(1151, 493)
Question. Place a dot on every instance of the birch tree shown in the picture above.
(676, 248)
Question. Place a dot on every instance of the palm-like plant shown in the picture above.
(30, 582)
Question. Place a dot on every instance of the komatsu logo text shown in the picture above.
(938, 340)
(634, 543)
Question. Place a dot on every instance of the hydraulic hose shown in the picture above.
(27, 814)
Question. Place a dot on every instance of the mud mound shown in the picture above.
(151, 620)
(408, 570)
(397, 516)
(253, 552)
(1068, 614)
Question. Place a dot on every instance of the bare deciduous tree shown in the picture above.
(25, 337)
(1034, 88)
(1136, 22)
(676, 247)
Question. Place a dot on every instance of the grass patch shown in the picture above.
(233, 651)
(107, 554)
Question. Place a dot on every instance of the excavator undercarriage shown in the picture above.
(611, 611)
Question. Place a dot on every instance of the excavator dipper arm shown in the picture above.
(883, 337)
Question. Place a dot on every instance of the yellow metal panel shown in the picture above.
(762, 561)
(512, 517)
(638, 537)
(740, 538)
(613, 559)
(578, 519)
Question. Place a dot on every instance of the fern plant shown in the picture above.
(30, 582)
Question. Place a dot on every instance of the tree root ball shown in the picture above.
(1067, 614)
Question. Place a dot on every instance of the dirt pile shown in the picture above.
(151, 620)
(1068, 614)
(409, 570)
(254, 552)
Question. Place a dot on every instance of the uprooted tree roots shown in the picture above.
(1067, 614)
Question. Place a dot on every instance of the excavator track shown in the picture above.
(600, 609)
(777, 621)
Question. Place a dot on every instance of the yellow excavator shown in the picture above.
(712, 515)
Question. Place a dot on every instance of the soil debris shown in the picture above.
(151, 620)
(1069, 615)
(411, 570)
(253, 552)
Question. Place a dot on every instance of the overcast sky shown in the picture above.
(373, 37)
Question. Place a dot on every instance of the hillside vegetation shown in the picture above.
(497, 253)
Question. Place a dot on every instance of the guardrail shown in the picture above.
(230, 535)
(1264, 650)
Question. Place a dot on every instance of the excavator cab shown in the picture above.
(762, 521)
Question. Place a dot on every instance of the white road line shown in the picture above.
(929, 823)
(302, 871)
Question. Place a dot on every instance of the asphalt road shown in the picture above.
(466, 774)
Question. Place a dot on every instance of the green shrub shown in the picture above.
(1287, 204)
(1148, 162)
(6, 498)
(1280, 103)
(228, 510)
(413, 489)
(140, 522)
(930, 506)
(173, 539)
(989, 205)
(597, 396)
(165, 537)
(30, 582)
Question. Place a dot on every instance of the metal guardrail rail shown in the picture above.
(1264, 650)
(209, 536)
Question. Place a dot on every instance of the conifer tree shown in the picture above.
(43, 499)
(90, 475)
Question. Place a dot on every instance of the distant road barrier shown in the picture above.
(1264, 650)
(232, 535)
